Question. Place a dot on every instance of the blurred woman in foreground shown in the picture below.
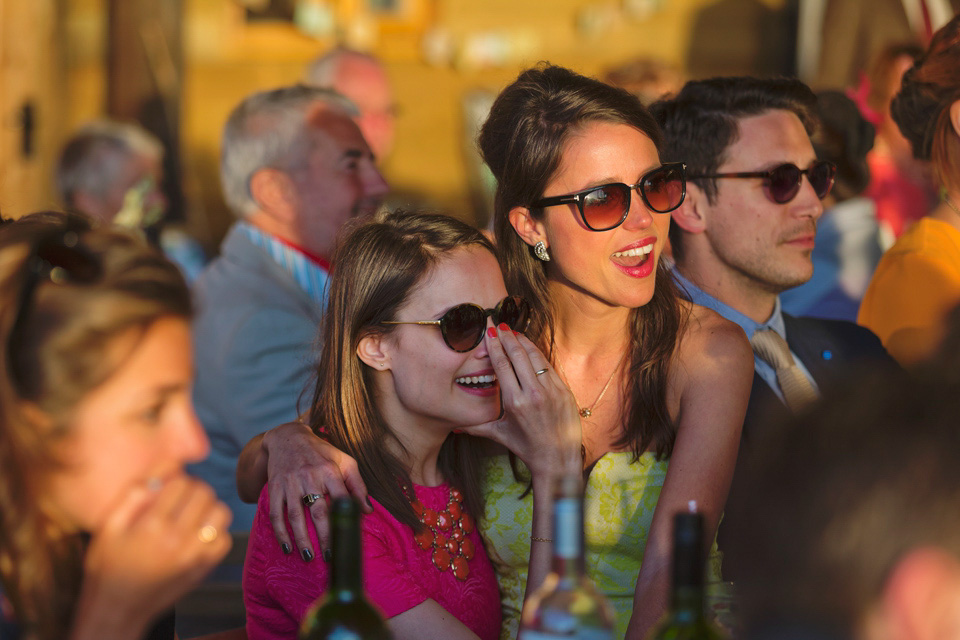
(101, 530)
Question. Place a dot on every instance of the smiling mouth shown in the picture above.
(477, 382)
(633, 257)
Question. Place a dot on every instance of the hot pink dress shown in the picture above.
(278, 589)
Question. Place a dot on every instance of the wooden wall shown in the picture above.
(63, 64)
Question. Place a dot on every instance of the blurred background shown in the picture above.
(178, 66)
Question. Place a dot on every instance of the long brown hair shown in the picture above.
(922, 107)
(379, 262)
(56, 358)
(522, 142)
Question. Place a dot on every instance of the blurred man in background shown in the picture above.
(294, 168)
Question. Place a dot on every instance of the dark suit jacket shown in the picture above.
(828, 349)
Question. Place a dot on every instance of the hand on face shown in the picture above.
(155, 546)
(540, 421)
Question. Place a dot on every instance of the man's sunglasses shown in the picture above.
(783, 182)
(605, 207)
(462, 326)
(56, 256)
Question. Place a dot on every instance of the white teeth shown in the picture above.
(633, 253)
(477, 379)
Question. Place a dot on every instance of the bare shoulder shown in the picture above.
(712, 370)
(710, 339)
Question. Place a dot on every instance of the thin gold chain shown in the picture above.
(586, 412)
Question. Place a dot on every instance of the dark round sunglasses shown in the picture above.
(783, 181)
(462, 326)
(605, 207)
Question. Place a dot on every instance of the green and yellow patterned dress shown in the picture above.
(619, 501)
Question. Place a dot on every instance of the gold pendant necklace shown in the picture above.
(586, 412)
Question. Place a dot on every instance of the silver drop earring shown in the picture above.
(540, 250)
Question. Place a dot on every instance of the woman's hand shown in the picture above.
(301, 464)
(155, 547)
(540, 421)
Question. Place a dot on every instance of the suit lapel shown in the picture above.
(812, 348)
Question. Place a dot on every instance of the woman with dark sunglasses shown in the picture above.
(662, 385)
(582, 212)
(101, 529)
(917, 281)
(415, 348)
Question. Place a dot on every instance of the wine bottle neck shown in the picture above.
(568, 538)
(686, 602)
(346, 564)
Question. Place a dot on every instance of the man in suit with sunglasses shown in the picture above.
(745, 233)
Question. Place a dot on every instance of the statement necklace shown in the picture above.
(444, 533)
(586, 412)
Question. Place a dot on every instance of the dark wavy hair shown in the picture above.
(55, 360)
(702, 121)
(922, 107)
(379, 262)
(844, 138)
(522, 142)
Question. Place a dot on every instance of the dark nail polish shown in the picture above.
(327, 555)
(503, 327)
(492, 332)
(306, 554)
(286, 548)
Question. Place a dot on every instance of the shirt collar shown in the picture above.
(749, 326)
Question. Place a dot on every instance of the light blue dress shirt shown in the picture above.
(775, 322)
(311, 277)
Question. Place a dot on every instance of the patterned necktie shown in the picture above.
(795, 386)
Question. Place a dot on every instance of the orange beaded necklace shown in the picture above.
(445, 533)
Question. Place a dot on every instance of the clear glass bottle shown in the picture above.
(344, 613)
(686, 619)
(567, 605)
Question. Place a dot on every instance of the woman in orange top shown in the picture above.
(917, 281)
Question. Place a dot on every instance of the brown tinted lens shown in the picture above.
(663, 189)
(605, 207)
(462, 327)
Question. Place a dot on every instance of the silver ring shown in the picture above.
(542, 371)
(310, 498)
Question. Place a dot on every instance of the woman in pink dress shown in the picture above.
(419, 339)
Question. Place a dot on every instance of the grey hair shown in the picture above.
(267, 130)
(322, 72)
(92, 157)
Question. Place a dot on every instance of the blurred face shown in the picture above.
(135, 189)
(617, 267)
(338, 180)
(431, 385)
(135, 428)
(762, 245)
(366, 84)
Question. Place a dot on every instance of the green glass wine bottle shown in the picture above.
(568, 604)
(344, 613)
(686, 620)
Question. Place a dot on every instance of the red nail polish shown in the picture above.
(503, 327)
(516, 333)
(492, 332)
